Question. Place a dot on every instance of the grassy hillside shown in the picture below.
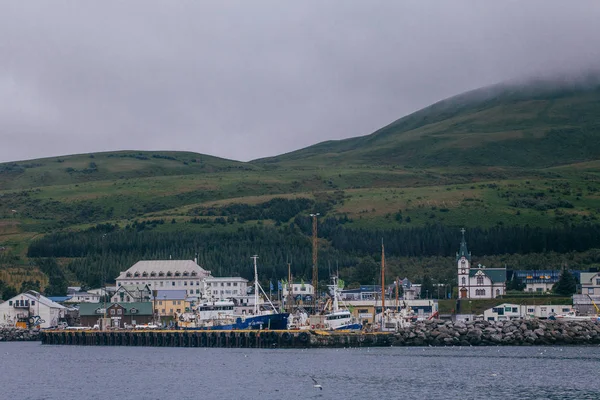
(535, 125)
(501, 157)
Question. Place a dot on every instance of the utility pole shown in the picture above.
(289, 288)
(315, 277)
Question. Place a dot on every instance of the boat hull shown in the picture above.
(350, 327)
(270, 321)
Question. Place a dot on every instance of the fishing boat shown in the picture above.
(220, 315)
(573, 316)
(340, 318)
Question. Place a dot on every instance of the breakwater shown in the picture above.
(18, 335)
(426, 333)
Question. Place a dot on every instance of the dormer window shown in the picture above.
(152, 273)
(144, 274)
(177, 273)
(128, 275)
(161, 273)
(137, 274)
(194, 273)
(169, 273)
(185, 273)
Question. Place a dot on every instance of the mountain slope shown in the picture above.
(533, 125)
(81, 168)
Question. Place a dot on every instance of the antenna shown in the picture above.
(255, 257)
(315, 277)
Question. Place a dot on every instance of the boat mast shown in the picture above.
(382, 283)
(397, 290)
(254, 257)
(289, 285)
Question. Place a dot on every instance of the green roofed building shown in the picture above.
(478, 282)
(120, 314)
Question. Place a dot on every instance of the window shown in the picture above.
(197, 291)
(164, 311)
(235, 284)
(161, 283)
(222, 284)
(152, 273)
(179, 310)
(590, 290)
(497, 292)
(480, 280)
(136, 274)
(112, 312)
(119, 311)
(177, 273)
(515, 309)
(161, 273)
(464, 280)
(160, 302)
(173, 283)
(228, 283)
(10, 303)
(33, 302)
(184, 283)
(598, 281)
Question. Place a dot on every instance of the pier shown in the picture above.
(426, 333)
(227, 339)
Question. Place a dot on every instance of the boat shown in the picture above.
(393, 321)
(219, 315)
(340, 318)
(573, 316)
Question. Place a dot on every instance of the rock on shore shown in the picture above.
(490, 333)
(19, 335)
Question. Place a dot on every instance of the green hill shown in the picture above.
(109, 166)
(534, 125)
(518, 165)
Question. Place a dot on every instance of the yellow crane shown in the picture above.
(594, 304)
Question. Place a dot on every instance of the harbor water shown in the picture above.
(32, 371)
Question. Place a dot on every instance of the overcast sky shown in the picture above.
(249, 79)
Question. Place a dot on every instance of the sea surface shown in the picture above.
(32, 371)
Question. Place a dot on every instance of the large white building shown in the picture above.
(224, 288)
(508, 311)
(478, 282)
(165, 275)
(33, 307)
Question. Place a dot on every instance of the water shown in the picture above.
(33, 371)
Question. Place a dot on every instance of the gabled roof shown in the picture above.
(36, 296)
(164, 266)
(496, 275)
(142, 308)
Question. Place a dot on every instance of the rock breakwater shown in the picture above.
(490, 333)
(18, 335)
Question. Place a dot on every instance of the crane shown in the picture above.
(595, 305)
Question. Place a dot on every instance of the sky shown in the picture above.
(250, 79)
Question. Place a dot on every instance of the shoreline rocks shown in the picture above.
(493, 333)
(19, 335)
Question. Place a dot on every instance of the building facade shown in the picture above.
(32, 307)
(539, 281)
(508, 311)
(132, 293)
(590, 283)
(167, 303)
(478, 282)
(120, 314)
(165, 275)
(224, 288)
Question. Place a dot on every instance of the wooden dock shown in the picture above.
(227, 339)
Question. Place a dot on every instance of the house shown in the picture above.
(120, 314)
(224, 288)
(108, 290)
(478, 282)
(364, 310)
(83, 297)
(590, 283)
(168, 302)
(364, 292)
(31, 306)
(132, 293)
(165, 275)
(507, 311)
(539, 281)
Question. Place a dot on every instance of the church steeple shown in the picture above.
(463, 252)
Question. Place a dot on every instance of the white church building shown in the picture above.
(478, 282)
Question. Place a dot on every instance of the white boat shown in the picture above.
(392, 321)
(340, 318)
(573, 316)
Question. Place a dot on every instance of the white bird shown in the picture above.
(316, 385)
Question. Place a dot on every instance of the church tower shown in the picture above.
(463, 260)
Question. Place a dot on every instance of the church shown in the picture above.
(478, 282)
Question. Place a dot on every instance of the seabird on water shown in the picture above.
(316, 385)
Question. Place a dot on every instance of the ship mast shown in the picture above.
(397, 290)
(254, 257)
(382, 283)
